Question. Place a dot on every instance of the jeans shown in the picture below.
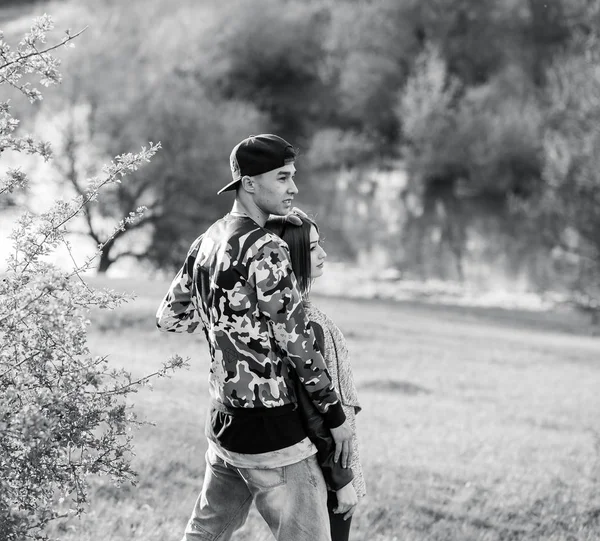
(292, 500)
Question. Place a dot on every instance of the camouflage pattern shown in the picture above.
(237, 284)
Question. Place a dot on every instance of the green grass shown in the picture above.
(475, 425)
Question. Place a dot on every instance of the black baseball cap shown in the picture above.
(256, 155)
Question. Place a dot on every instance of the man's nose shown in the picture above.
(293, 189)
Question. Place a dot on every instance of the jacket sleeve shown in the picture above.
(280, 301)
(177, 312)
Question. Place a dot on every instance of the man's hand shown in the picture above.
(299, 212)
(347, 500)
(342, 435)
(294, 215)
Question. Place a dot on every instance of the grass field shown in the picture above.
(475, 425)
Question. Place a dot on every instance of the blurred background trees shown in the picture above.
(453, 139)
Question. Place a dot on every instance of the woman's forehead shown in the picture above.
(314, 234)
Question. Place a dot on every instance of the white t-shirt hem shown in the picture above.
(272, 459)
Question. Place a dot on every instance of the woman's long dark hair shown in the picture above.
(298, 240)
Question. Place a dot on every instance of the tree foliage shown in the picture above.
(116, 102)
(568, 208)
(516, 143)
(63, 413)
(459, 93)
(271, 56)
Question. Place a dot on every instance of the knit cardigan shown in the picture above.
(336, 357)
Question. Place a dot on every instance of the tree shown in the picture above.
(370, 48)
(469, 151)
(436, 160)
(569, 200)
(564, 212)
(544, 33)
(77, 155)
(270, 55)
(115, 102)
(63, 415)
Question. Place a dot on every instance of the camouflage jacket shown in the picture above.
(237, 284)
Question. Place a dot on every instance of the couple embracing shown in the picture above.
(281, 422)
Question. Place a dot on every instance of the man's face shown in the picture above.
(275, 190)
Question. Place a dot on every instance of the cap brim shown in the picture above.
(231, 186)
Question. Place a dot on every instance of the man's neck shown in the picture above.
(252, 211)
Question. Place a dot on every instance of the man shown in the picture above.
(238, 285)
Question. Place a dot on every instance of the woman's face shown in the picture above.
(317, 254)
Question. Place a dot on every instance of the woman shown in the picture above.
(308, 257)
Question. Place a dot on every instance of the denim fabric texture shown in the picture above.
(292, 500)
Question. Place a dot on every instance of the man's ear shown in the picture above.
(248, 183)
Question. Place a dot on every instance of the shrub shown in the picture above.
(63, 415)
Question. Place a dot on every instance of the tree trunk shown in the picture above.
(105, 260)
